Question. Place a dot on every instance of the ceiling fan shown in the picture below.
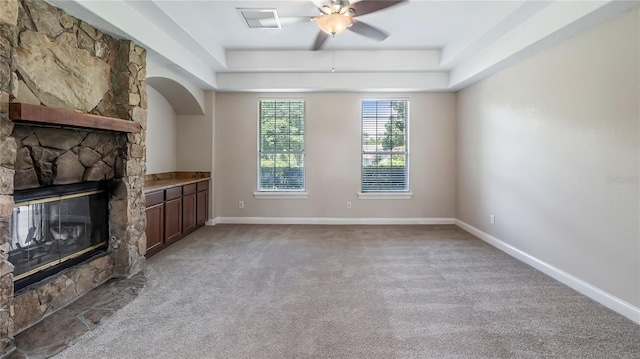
(339, 15)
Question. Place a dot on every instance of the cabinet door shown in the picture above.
(173, 220)
(155, 229)
(188, 213)
(202, 207)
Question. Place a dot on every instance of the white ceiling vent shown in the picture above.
(260, 18)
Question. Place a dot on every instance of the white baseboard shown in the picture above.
(328, 220)
(211, 222)
(579, 285)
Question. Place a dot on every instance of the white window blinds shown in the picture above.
(281, 145)
(385, 146)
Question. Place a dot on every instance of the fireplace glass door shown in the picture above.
(47, 232)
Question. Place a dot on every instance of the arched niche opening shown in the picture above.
(183, 101)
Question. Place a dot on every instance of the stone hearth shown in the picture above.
(46, 338)
(52, 59)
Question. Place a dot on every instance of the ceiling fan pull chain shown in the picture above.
(333, 62)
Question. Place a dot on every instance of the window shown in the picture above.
(385, 146)
(281, 145)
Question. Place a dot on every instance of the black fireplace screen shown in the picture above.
(48, 232)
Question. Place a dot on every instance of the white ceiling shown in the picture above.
(414, 25)
(433, 46)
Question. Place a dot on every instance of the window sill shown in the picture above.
(280, 195)
(385, 195)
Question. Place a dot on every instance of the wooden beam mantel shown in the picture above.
(23, 112)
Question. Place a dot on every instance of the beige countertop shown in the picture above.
(157, 185)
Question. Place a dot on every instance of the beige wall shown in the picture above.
(195, 136)
(333, 158)
(161, 134)
(550, 147)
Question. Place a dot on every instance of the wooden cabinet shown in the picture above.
(174, 212)
(202, 207)
(202, 203)
(155, 222)
(188, 214)
(173, 220)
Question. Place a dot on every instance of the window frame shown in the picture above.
(271, 193)
(390, 193)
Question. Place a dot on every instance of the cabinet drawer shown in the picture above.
(188, 189)
(204, 185)
(154, 198)
(173, 193)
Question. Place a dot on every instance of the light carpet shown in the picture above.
(301, 291)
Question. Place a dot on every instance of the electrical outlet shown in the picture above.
(348, 204)
(492, 219)
(241, 204)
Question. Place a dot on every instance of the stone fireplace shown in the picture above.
(50, 60)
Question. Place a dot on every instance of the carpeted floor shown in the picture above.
(258, 291)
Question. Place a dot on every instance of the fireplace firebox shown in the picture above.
(54, 228)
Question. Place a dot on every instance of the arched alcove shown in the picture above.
(183, 101)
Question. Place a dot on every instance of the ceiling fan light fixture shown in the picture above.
(334, 23)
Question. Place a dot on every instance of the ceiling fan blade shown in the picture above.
(317, 3)
(369, 31)
(285, 21)
(364, 7)
(320, 40)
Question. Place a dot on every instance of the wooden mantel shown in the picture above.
(23, 112)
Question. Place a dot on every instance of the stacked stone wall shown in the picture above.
(50, 58)
(51, 156)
